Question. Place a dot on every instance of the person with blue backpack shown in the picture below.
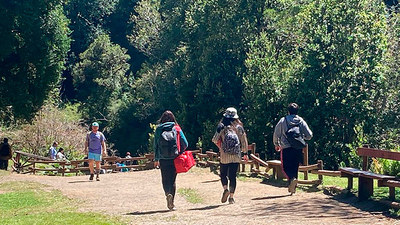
(169, 142)
(231, 140)
(289, 139)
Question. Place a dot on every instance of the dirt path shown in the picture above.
(138, 197)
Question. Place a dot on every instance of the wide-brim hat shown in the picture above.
(231, 113)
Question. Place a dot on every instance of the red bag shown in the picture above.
(184, 162)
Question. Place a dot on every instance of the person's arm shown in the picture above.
(86, 144)
(277, 134)
(103, 144)
(156, 149)
(217, 136)
(307, 133)
(183, 141)
(243, 142)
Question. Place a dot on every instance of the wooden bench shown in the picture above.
(366, 178)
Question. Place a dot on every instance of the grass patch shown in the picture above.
(34, 203)
(191, 195)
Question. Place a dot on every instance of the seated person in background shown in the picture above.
(128, 156)
(53, 151)
(60, 155)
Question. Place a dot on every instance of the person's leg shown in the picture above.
(97, 170)
(168, 177)
(289, 162)
(224, 181)
(6, 164)
(224, 175)
(232, 172)
(298, 157)
(2, 164)
(91, 162)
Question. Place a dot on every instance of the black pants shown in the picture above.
(229, 171)
(3, 164)
(291, 159)
(168, 176)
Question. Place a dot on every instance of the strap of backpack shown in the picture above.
(178, 137)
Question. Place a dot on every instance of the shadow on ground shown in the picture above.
(137, 213)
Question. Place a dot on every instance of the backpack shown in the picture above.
(231, 143)
(5, 149)
(294, 136)
(168, 143)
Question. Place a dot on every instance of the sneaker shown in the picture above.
(292, 186)
(91, 176)
(97, 177)
(231, 201)
(170, 202)
(225, 196)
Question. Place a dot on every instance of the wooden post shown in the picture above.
(63, 168)
(320, 167)
(349, 183)
(392, 193)
(17, 162)
(365, 187)
(305, 161)
(365, 163)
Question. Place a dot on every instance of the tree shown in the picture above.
(32, 54)
(100, 78)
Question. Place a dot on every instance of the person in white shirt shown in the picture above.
(60, 155)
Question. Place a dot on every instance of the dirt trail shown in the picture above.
(138, 197)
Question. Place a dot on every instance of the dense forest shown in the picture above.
(124, 62)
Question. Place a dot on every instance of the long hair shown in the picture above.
(167, 116)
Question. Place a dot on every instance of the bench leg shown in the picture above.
(279, 174)
(274, 173)
(392, 193)
(349, 183)
(365, 188)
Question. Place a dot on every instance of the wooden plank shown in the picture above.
(32, 155)
(378, 153)
(376, 176)
(388, 183)
(349, 171)
(327, 173)
(274, 162)
(312, 182)
(308, 168)
(260, 161)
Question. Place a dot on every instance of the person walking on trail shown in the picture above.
(5, 154)
(53, 151)
(231, 140)
(288, 138)
(95, 142)
(169, 142)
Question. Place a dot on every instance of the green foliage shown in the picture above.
(100, 78)
(51, 124)
(32, 55)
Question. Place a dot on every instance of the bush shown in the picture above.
(51, 124)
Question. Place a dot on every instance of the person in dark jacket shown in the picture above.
(290, 155)
(166, 151)
(5, 154)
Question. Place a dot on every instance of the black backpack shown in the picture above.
(294, 136)
(231, 143)
(167, 143)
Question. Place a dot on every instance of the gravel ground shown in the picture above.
(138, 198)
